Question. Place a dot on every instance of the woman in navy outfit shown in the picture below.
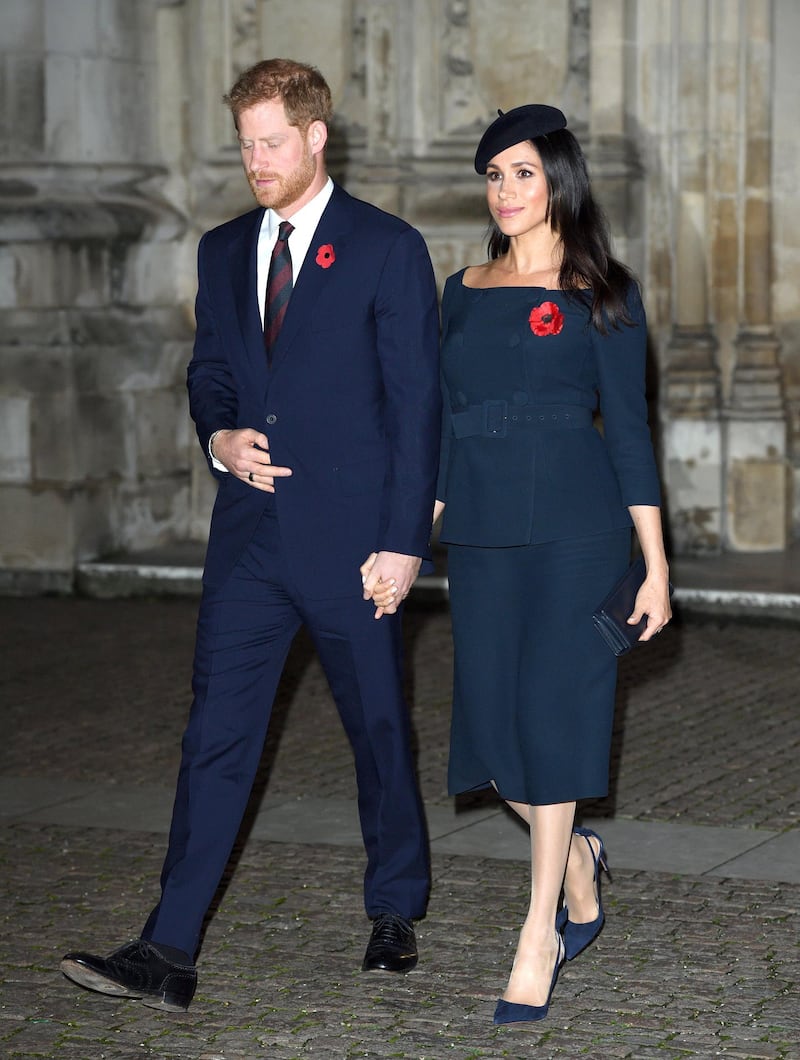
(538, 508)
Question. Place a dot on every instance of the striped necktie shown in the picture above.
(279, 287)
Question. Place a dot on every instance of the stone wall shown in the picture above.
(785, 258)
(117, 153)
(94, 328)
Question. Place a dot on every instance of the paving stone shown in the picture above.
(279, 967)
(707, 729)
(96, 692)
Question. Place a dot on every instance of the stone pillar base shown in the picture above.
(758, 480)
(693, 484)
(757, 469)
(692, 442)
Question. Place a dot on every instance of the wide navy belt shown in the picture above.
(494, 419)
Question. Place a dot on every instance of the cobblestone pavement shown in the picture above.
(708, 732)
(708, 726)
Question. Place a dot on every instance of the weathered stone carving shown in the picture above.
(119, 153)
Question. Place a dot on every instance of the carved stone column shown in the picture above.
(691, 385)
(757, 469)
(92, 342)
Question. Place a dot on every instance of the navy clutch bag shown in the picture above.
(611, 615)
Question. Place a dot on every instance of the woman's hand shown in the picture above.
(653, 596)
(652, 600)
(383, 594)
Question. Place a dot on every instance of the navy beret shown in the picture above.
(521, 123)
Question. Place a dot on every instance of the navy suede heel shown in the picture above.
(578, 936)
(509, 1013)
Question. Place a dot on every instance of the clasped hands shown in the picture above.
(387, 578)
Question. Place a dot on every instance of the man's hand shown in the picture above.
(387, 578)
(245, 453)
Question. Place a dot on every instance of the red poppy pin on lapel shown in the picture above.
(546, 319)
(325, 256)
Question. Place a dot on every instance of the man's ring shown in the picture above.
(250, 476)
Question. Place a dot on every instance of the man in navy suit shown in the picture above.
(323, 434)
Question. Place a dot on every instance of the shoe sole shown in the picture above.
(85, 977)
(406, 968)
(520, 1025)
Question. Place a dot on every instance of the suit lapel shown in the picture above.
(334, 227)
(243, 270)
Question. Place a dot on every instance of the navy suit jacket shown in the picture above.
(351, 403)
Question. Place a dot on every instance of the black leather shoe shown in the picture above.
(392, 946)
(135, 970)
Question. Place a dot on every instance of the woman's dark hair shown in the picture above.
(580, 224)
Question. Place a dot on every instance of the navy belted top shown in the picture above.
(524, 373)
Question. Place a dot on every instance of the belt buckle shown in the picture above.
(495, 418)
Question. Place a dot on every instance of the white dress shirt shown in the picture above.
(305, 223)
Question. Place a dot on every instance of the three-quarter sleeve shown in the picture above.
(621, 360)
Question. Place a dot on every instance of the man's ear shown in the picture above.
(317, 136)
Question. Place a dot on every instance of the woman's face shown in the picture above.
(516, 190)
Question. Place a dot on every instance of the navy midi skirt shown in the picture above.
(534, 687)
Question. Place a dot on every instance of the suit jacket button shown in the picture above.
(272, 418)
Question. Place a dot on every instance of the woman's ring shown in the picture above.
(250, 476)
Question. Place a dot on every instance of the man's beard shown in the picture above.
(286, 189)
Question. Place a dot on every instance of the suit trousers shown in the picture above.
(245, 629)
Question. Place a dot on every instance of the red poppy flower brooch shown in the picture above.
(546, 319)
(325, 256)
